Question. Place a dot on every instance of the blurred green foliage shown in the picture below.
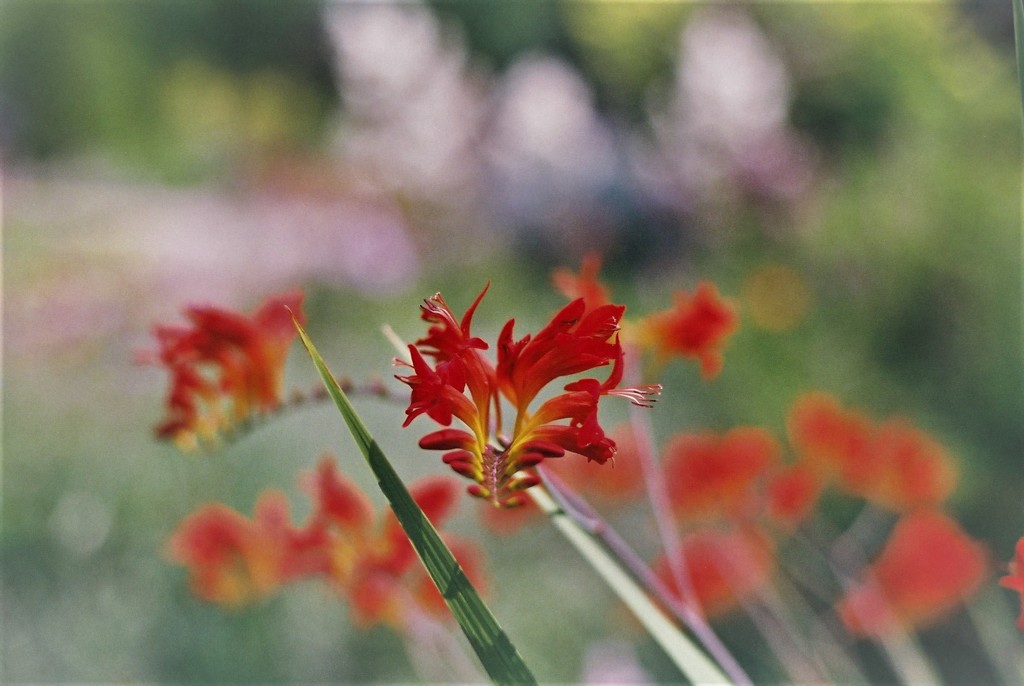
(172, 89)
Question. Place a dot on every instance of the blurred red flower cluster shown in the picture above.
(735, 497)
(225, 367)
(736, 492)
(927, 566)
(892, 464)
(234, 560)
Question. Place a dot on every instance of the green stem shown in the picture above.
(989, 614)
(591, 522)
(847, 558)
(691, 661)
(907, 658)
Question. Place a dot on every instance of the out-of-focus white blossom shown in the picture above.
(547, 144)
(412, 109)
(724, 131)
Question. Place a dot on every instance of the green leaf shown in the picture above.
(499, 657)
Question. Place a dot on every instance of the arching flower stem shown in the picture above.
(590, 521)
(658, 497)
(693, 663)
(846, 560)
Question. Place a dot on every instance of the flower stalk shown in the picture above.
(693, 663)
(585, 518)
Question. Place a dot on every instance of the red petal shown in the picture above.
(339, 499)
(437, 497)
(448, 439)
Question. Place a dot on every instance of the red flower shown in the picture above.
(1015, 579)
(725, 567)
(464, 385)
(791, 495)
(697, 326)
(571, 343)
(234, 560)
(586, 285)
(911, 469)
(718, 476)
(224, 366)
(892, 464)
(829, 438)
(927, 567)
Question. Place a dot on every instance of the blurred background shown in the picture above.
(849, 174)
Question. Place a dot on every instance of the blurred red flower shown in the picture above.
(791, 493)
(725, 566)
(234, 560)
(892, 464)
(1015, 579)
(927, 567)
(372, 562)
(911, 469)
(584, 285)
(697, 326)
(365, 556)
(224, 366)
(828, 437)
(711, 476)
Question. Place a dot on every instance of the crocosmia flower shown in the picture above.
(791, 494)
(926, 568)
(460, 383)
(911, 469)
(698, 326)
(718, 476)
(892, 463)
(1015, 579)
(725, 567)
(225, 366)
(234, 560)
(828, 437)
(584, 285)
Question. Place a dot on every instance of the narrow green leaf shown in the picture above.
(496, 652)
